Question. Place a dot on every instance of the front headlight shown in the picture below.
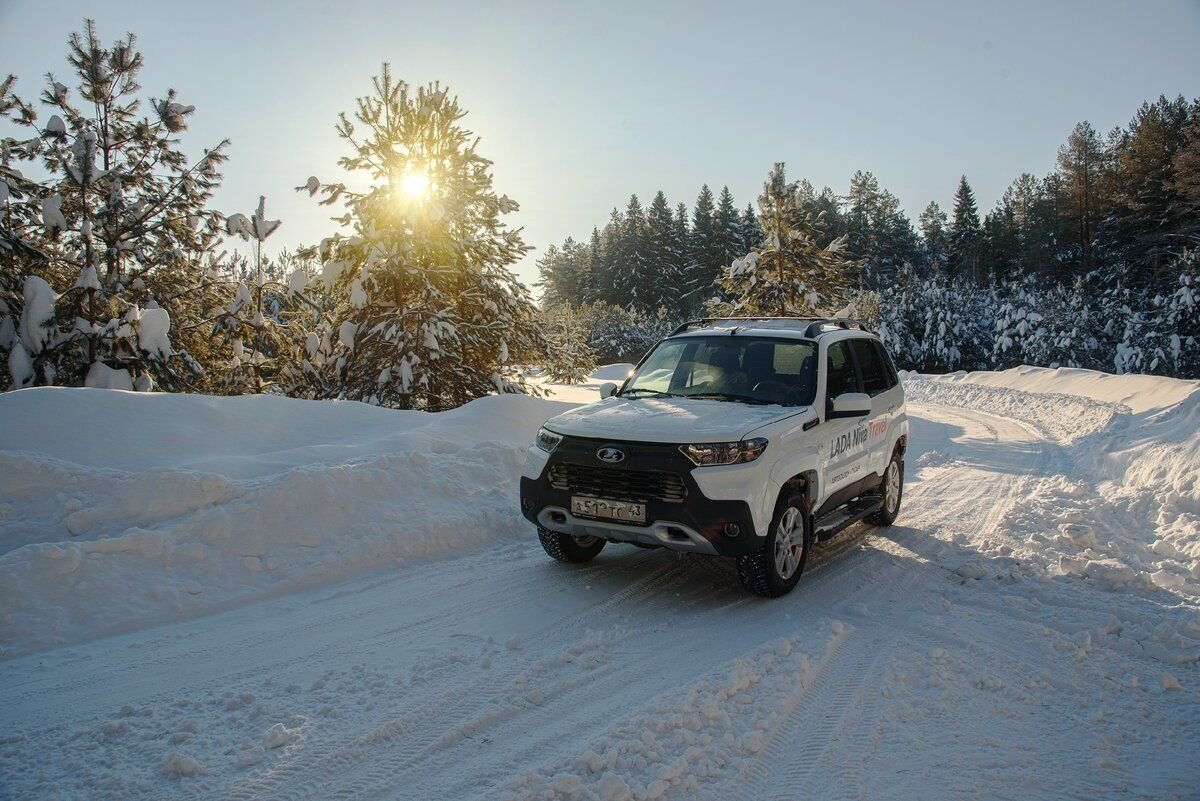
(547, 440)
(714, 453)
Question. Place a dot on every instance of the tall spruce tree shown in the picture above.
(633, 275)
(665, 261)
(429, 314)
(751, 228)
(878, 232)
(728, 225)
(934, 237)
(965, 233)
(681, 237)
(706, 250)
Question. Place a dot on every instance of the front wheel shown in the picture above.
(774, 570)
(567, 548)
(892, 488)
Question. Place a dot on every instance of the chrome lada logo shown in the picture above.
(610, 455)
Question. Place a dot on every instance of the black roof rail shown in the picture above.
(843, 323)
(811, 325)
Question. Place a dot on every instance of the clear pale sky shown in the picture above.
(581, 104)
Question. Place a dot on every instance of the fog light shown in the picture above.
(733, 530)
(558, 517)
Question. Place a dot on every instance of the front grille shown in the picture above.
(618, 484)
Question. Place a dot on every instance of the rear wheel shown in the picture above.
(774, 570)
(568, 548)
(892, 488)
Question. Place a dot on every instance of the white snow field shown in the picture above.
(260, 598)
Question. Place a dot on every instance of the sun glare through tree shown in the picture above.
(415, 184)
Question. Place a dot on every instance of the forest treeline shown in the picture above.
(1091, 265)
(116, 269)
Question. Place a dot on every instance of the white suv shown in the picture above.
(743, 437)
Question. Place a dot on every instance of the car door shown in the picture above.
(876, 382)
(844, 447)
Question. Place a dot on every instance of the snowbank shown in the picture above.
(1123, 505)
(1141, 393)
(120, 509)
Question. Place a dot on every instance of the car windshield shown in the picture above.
(732, 368)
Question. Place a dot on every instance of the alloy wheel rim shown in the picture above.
(893, 487)
(789, 542)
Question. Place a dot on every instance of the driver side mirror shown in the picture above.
(607, 390)
(850, 404)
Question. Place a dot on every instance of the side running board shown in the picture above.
(829, 525)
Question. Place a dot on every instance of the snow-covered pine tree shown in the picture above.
(1019, 337)
(104, 257)
(790, 274)
(428, 313)
(264, 320)
(1135, 329)
(899, 317)
(620, 334)
(956, 324)
(568, 358)
(1161, 333)
(1183, 317)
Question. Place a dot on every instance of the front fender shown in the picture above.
(802, 461)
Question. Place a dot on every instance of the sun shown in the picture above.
(415, 184)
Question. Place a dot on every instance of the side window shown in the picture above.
(874, 374)
(840, 375)
(890, 367)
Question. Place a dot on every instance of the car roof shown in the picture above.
(785, 327)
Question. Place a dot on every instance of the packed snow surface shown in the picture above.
(258, 598)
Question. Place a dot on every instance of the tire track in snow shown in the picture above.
(421, 728)
(423, 733)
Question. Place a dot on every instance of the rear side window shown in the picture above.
(840, 375)
(874, 372)
(888, 364)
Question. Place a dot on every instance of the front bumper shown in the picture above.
(696, 524)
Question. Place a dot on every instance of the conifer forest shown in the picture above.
(116, 269)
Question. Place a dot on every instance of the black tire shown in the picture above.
(892, 493)
(761, 572)
(566, 548)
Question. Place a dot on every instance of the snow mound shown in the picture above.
(1122, 506)
(1057, 413)
(141, 508)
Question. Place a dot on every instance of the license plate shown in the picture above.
(623, 511)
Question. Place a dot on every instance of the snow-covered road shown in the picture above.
(940, 658)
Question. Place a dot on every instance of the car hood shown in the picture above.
(675, 420)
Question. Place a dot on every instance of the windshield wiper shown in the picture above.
(650, 393)
(729, 396)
